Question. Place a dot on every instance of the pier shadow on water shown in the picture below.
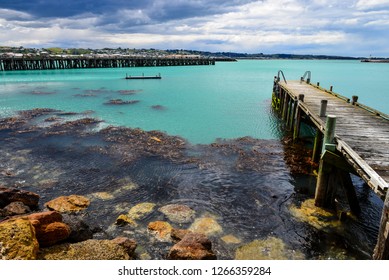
(245, 185)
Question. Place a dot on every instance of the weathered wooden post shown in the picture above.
(297, 120)
(381, 251)
(285, 106)
(317, 144)
(323, 108)
(325, 190)
(354, 99)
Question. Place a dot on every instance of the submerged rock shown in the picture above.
(72, 203)
(117, 249)
(18, 240)
(101, 195)
(315, 216)
(8, 195)
(120, 102)
(271, 248)
(158, 107)
(231, 239)
(207, 226)
(141, 210)
(178, 213)
(161, 230)
(193, 246)
(125, 220)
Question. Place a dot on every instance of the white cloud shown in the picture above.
(371, 4)
(328, 26)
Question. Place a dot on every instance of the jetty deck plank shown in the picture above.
(364, 132)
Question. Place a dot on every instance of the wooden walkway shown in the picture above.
(350, 138)
(361, 134)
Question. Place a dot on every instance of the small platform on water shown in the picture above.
(143, 77)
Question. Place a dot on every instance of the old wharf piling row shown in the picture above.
(351, 138)
(74, 62)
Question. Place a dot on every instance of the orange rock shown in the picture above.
(72, 203)
(193, 246)
(45, 218)
(52, 233)
(161, 230)
(49, 227)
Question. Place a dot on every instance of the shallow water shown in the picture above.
(199, 103)
(244, 184)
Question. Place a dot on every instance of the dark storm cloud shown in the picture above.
(156, 10)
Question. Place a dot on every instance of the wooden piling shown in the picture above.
(297, 120)
(323, 108)
(317, 145)
(354, 99)
(381, 250)
(325, 187)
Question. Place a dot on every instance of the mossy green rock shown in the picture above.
(18, 240)
(271, 248)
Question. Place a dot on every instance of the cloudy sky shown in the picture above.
(332, 27)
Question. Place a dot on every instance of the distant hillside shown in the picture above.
(156, 52)
(263, 56)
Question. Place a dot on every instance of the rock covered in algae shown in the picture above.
(231, 239)
(207, 226)
(18, 240)
(315, 216)
(161, 230)
(271, 248)
(124, 219)
(137, 212)
(101, 196)
(141, 210)
(90, 250)
(178, 213)
(71, 203)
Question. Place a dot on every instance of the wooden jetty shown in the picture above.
(12, 63)
(143, 77)
(350, 138)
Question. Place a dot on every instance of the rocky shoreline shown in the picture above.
(79, 190)
(59, 232)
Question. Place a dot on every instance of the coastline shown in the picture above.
(119, 168)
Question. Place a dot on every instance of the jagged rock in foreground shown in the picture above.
(17, 240)
(193, 246)
(120, 248)
(49, 227)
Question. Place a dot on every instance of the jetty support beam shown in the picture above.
(381, 251)
(325, 187)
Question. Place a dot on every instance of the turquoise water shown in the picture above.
(199, 103)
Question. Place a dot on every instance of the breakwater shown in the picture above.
(13, 63)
